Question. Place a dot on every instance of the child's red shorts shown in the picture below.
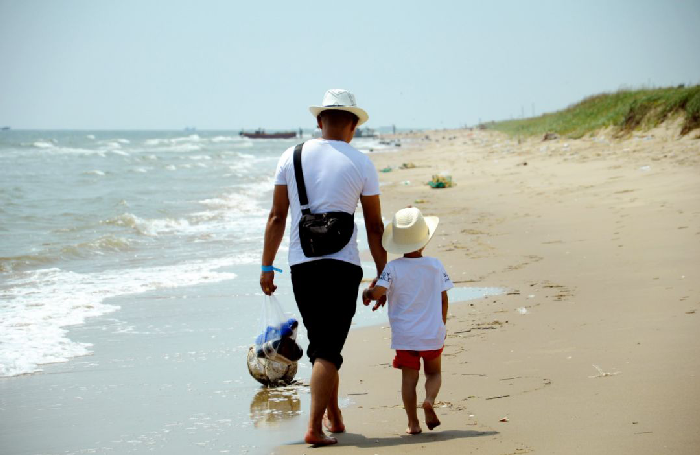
(411, 359)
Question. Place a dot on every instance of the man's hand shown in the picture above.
(267, 282)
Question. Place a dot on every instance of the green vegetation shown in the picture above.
(625, 111)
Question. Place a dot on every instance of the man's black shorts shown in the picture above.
(326, 294)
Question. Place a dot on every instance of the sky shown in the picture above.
(147, 64)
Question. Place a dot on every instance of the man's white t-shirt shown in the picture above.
(414, 287)
(335, 175)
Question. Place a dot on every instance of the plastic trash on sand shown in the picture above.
(272, 360)
(442, 180)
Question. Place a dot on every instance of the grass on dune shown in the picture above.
(625, 111)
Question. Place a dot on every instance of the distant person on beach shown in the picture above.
(336, 177)
(417, 288)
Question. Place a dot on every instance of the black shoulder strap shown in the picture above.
(299, 175)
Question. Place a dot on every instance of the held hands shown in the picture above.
(267, 282)
(368, 295)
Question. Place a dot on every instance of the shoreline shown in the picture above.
(594, 347)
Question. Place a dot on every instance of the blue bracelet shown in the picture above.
(269, 268)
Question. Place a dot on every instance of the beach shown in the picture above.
(594, 346)
(129, 301)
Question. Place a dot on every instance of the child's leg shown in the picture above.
(409, 381)
(433, 381)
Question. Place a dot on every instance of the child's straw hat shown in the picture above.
(409, 231)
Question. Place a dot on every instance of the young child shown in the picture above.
(417, 294)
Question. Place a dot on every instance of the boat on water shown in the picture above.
(5, 128)
(261, 134)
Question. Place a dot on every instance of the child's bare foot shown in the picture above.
(319, 439)
(335, 425)
(431, 419)
(413, 429)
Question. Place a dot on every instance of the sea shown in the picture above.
(129, 266)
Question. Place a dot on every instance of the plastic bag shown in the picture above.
(272, 360)
(278, 332)
(274, 323)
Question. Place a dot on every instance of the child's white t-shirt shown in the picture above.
(414, 287)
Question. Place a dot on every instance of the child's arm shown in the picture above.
(444, 307)
(374, 293)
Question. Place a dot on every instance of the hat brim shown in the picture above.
(361, 114)
(402, 248)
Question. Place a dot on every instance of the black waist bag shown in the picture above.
(320, 234)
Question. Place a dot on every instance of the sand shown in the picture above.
(594, 348)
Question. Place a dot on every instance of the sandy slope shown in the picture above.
(599, 241)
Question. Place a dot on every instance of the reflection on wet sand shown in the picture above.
(273, 405)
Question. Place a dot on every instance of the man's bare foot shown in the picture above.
(431, 419)
(318, 440)
(414, 429)
(335, 425)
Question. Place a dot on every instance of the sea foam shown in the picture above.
(37, 306)
(143, 226)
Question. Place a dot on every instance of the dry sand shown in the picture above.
(598, 240)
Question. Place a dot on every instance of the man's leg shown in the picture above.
(333, 419)
(433, 381)
(324, 383)
(326, 334)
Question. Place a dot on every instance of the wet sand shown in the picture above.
(167, 376)
(595, 347)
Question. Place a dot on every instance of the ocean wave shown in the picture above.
(110, 144)
(190, 138)
(151, 228)
(245, 162)
(185, 148)
(99, 246)
(12, 263)
(36, 307)
(54, 149)
(240, 202)
(199, 157)
(175, 140)
(94, 172)
(218, 139)
(243, 144)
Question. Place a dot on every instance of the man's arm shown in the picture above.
(444, 307)
(274, 232)
(372, 212)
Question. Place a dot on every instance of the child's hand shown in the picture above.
(380, 302)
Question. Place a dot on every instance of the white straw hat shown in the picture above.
(340, 100)
(409, 231)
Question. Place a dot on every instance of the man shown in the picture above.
(336, 177)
